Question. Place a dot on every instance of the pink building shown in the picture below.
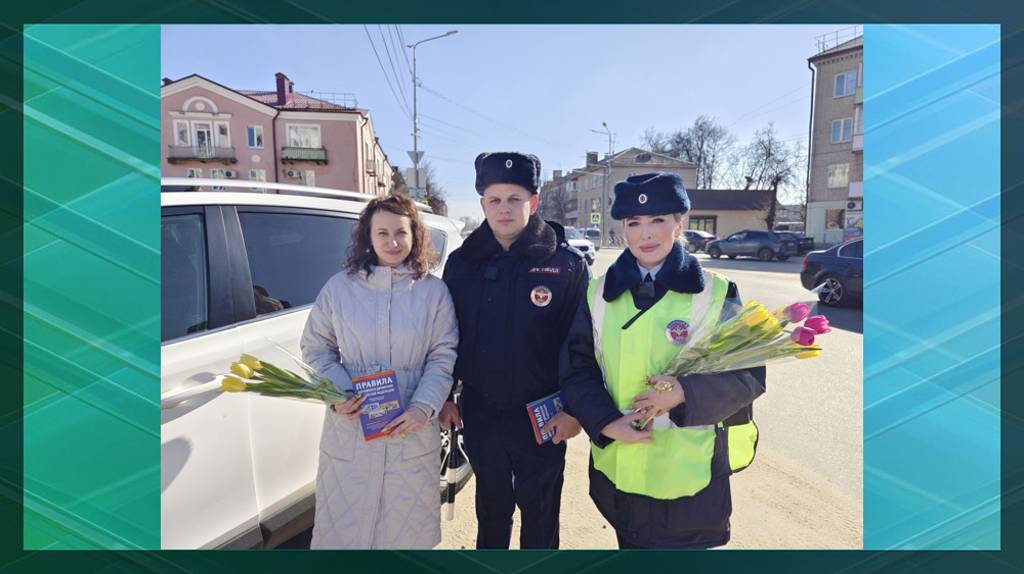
(210, 130)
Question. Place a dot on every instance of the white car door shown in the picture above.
(291, 254)
(208, 496)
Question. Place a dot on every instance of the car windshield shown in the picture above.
(572, 233)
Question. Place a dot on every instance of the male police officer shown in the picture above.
(516, 285)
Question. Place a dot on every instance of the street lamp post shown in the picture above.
(607, 176)
(415, 124)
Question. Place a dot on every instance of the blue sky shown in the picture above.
(531, 88)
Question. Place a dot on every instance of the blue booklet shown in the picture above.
(541, 411)
(383, 402)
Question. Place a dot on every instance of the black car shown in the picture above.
(804, 244)
(839, 271)
(698, 240)
(763, 244)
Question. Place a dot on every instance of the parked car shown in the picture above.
(594, 235)
(575, 238)
(698, 240)
(760, 243)
(804, 244)
(240, 271)
(839, 271)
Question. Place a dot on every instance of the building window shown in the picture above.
(305, 136)
(845, 84)
(217, 173)
(838, 175)
(254, 135)
(258, 175)
(642, 158)
(181, 133)
(308, 177)
(842, 130)
(708, 223)
(223, 135)
(195, 172)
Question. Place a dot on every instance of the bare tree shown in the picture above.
(434, 192)
(706, 143)
(468, 224)
(398, 184)
(770, 164)
(656, 141)
(552, 204)
(765, 159)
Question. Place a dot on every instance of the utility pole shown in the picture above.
(415, 155)
(607, 176)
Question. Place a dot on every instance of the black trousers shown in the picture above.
(512, 470)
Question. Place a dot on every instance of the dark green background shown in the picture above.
(401, 11)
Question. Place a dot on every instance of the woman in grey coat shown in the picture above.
(384, 311)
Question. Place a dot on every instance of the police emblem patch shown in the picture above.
(508, 164)
(677, 332)
(642, 199)
(540, 296)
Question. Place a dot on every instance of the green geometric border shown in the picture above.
(658, 11)
(92, 287)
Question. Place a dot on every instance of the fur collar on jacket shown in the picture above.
(538, 242)
(681, 273)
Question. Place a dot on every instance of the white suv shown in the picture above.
(240, 269)
(576, 239)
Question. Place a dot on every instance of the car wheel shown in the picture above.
(833, 293)
(715, 253)
(765, 254)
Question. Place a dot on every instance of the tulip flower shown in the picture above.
(796, 312)
(232, 384)
(819, 323)
(251, 362)
(242, 370)
(803, 336)
(808, 354)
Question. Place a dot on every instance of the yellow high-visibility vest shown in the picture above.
(677, 461)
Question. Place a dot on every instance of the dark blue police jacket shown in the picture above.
(514, 309)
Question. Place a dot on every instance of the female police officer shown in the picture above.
(516, 285)
(666, 486)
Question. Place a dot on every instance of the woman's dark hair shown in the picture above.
(361, 256)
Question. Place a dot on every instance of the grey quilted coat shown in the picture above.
(382, 493)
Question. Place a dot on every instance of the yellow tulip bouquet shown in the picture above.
(250, 374)
(753, 337)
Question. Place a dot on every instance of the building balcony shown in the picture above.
(858, 142)
(298, 154)
(371, 167)
(856, 189)
(572, 214)
(180, 153)
(858, 96)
